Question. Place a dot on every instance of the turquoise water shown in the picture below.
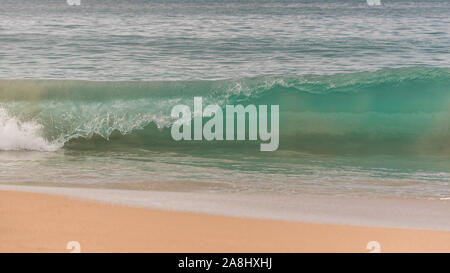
(364, 94)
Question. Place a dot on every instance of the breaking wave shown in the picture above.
(403, 110)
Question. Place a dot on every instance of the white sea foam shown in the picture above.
(16, 135)
(374, 2)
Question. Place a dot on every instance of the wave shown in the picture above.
(385, 111)
(16, 135)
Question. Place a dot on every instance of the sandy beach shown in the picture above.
(37, 222)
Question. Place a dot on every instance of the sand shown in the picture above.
(36, 222)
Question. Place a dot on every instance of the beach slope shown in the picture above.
(36, 222)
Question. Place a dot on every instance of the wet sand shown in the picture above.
(36, 222)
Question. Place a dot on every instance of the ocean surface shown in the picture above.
(86, 94)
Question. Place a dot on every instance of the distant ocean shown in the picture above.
(364, 92)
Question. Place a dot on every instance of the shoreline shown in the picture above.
(42, 222)
(322, 209)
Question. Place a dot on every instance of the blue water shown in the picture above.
(86, 93)
(192, 40)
